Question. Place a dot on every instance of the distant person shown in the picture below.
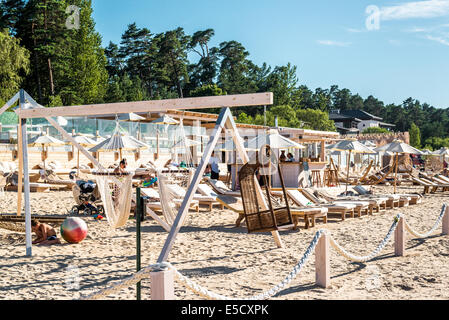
(290, 157)
(214, 169)
(282, 157)
(46, 235)
(121, 167)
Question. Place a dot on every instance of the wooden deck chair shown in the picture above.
(278, 215)
(375, 203)
(221, 188)
(341, 209)
(361, 205)
(201, 199)
(365, 174)
(396, 200)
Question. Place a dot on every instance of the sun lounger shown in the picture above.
(220, 188)
(359, 204)
(376, 203)
(301, 200)
(156, 205)
(208, 200)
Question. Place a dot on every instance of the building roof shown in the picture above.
(360, 114)
(339, 116)
(383, 124)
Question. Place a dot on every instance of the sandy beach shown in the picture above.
(228, 260)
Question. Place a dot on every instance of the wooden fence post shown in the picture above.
(446, 222)
(322, 262)
(162, 285)
(399, 238)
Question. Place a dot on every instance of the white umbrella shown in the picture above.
(164, 120)
(84, 141)
(350, 146)
(397, 147)
(45, 141)
(274, 140)
(121, 141)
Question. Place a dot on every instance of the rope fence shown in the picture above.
(207, 294)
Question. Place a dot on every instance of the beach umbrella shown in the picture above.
(164, 120)
(119, 140)
(274, 140)
(352, 146)
(84, 141)
(397, 147)
(45, 141)
(426, 152)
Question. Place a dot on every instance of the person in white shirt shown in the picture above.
(215, 171)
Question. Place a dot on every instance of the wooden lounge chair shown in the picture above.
(359, 204)
(202, 199)
(341, 209)
(220, 188)
(376, 203)
(394, 200)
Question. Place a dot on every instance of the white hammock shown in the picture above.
(116, 195)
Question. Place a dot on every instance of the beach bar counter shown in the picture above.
(308, 164)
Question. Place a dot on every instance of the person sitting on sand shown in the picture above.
(46, 235)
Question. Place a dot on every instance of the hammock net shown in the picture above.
(116, 194)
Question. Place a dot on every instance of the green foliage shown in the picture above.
(13, 67)
(207, 91)
(415, 136)
(375, 130)
(436, 143)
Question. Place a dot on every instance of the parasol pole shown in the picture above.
(396, 171)
(78, 163)
(347, 173)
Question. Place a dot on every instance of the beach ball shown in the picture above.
(73, 230)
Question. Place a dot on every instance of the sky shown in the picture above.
(392, 50)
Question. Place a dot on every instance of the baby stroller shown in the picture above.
(88, 198)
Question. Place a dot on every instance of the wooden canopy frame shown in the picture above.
(225, 121)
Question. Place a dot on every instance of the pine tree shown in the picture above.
(87, 77)
(13, 67)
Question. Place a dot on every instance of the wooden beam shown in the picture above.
(10, 103)
(20, 173)
(24, 142)
(240, 100)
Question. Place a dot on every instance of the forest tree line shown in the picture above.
(61, 66)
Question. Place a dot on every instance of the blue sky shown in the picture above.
(396, 50)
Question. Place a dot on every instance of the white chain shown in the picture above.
(373, 254)
(435, 226)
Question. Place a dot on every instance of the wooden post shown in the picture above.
(162, 285)
(138, 215)
(28, 236)
(322, 262)
(446, 222)
(396, 171)
(399, 239)
(20, 173)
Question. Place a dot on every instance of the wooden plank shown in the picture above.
(240, 100)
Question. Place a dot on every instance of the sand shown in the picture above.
(228, 260)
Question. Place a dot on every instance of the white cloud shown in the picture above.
(353, 30)
(416, 9)
(333, 43)
(439, 40)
